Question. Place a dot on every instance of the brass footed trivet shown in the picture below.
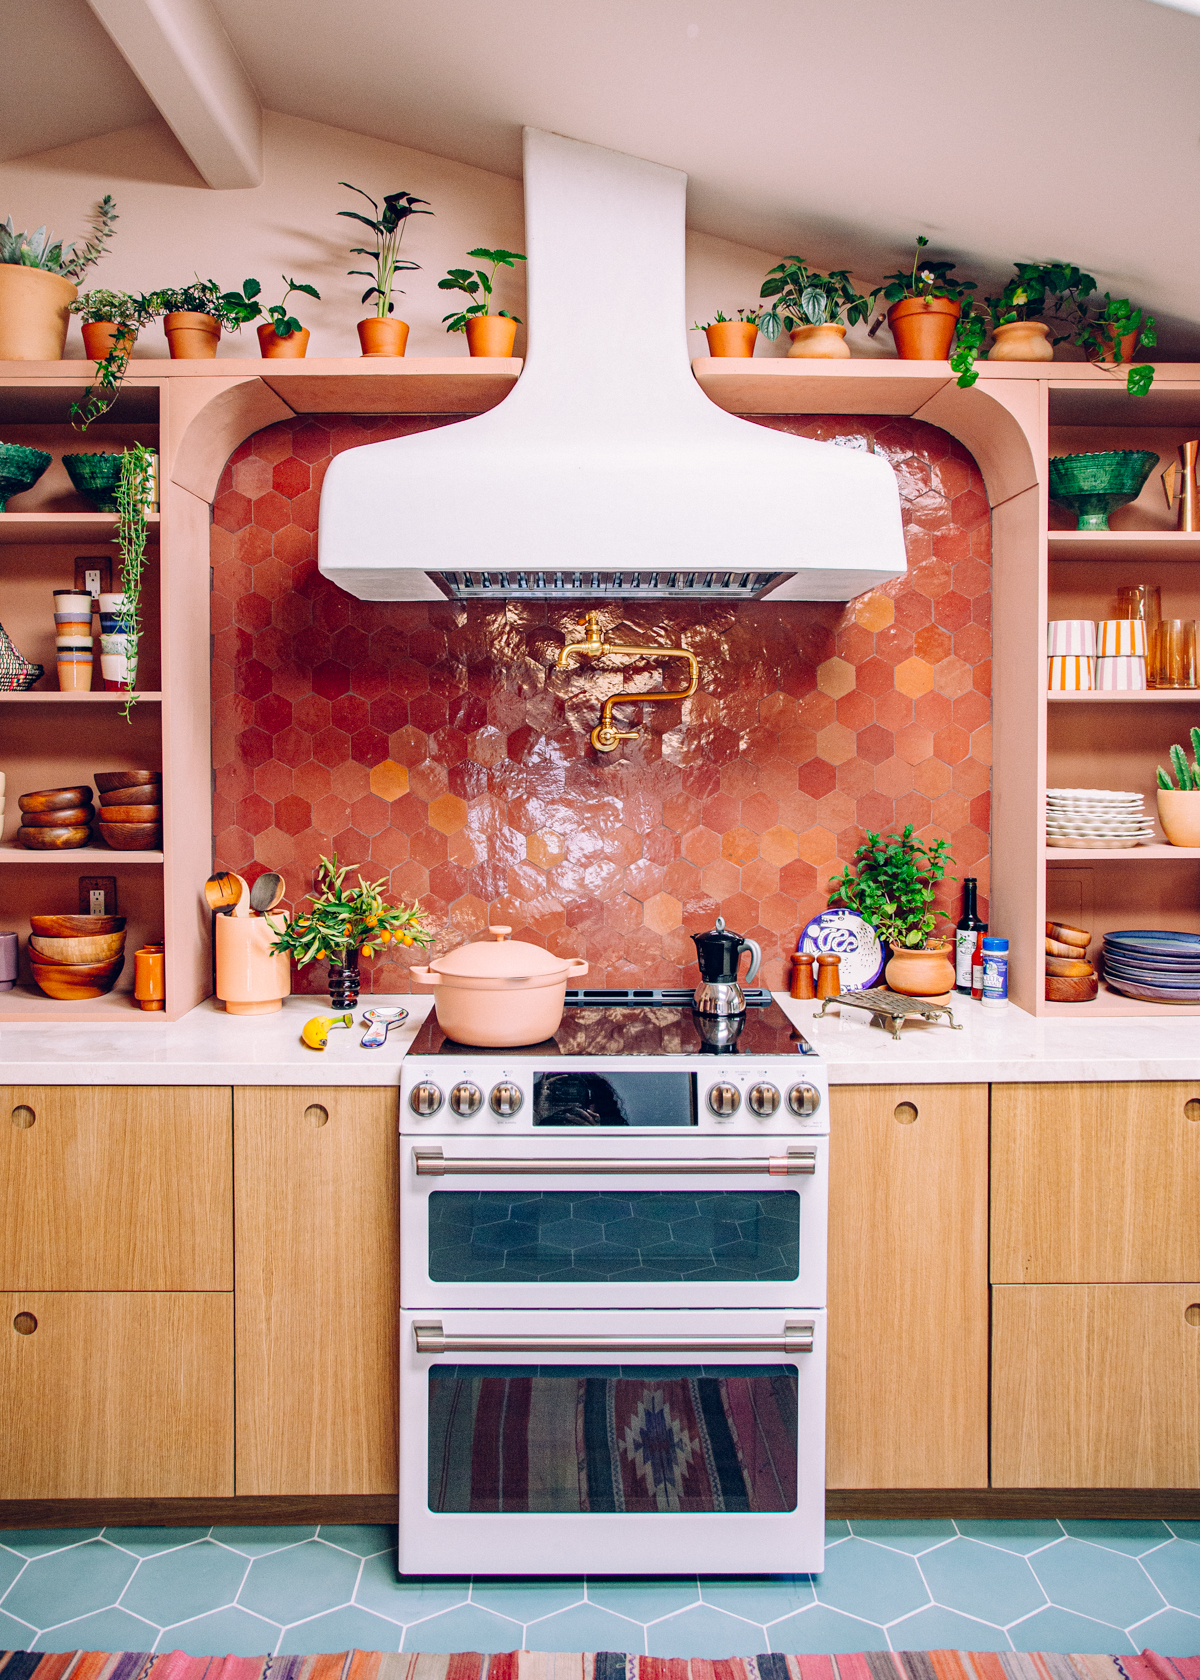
(888, 1009)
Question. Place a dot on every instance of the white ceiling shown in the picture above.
(1043, 128)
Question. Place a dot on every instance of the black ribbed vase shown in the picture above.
(344, 982)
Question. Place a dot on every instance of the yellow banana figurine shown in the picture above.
(315, 1033)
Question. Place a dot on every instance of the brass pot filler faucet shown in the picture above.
(606, 735)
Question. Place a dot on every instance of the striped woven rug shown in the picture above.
(593, 1665)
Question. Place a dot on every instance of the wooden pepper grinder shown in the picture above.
(828, 982)
(802, 974)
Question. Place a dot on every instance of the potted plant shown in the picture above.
(893, 887)
(379, 335)
(280, 334)
(728, 336)
(1179, 805)
(487, 334)
(192, 318)
(926, 307)
(110, 322)
(811, 307)
(342, 925)
(1043, 296)
(38, 276)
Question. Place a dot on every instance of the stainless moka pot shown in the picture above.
(719, 953)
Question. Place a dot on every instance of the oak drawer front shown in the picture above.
(1094, 1385)
(116, 1187)
(1095, 1183)
(121, 1395)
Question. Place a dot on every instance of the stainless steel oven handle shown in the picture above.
(431, 1163)
(797, 1337)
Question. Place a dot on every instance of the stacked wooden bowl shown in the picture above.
(131, 809)
(1070, 977)
(76, 957)
(55, 820)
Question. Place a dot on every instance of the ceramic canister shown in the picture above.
(8, 961)
(74, 623)
(1070, 673)
(1121, 637)
(75, 668)
(73, 600)
(1071, 635)
(114, 643)
(1127, 671)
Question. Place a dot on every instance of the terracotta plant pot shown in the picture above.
(271, 345)
(1179, 814)
(1128, 345)
(927, 973)
(100, 337)
(191, 337)
(491, 335)
(380, 337)
(731, 338)
(499, 994)
(1022, 341)
(923, 328)
(33, 313)
(827, 341)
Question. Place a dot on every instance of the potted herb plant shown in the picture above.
(379, 335)
(343, 925)
(814, 308)
(892, 886)
(192, 318)
(110, 322)
(38, 276)
(1179, 805)
(487, 334)
(926, 307)
(280, 334)
(730, 336)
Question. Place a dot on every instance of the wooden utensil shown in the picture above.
(1066, 969)
(131, 837)
(151, 794)
(222, 891)
(66, 927)
(107, 780)
(242, 906)
(56, 799)
(57, 819)
(266, 892)
(130, 813)
(53, 839)
(1068, 935)
(1060, 989)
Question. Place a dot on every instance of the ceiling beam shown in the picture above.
(182, 56)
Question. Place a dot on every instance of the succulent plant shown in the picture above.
(40, 249)
(1187, 776)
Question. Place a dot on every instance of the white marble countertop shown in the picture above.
(208, 1047)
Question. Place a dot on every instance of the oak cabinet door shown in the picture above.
(318, 1289)
(116, 1395)
(1095, 1183)
(1094, 1385)
(116, 1187)
(908, 1288)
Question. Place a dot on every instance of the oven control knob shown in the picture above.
(724, 1100)
(426, 1099)
(466, 1099)
(804, 1099)
(506, 1098)
(763, 1100)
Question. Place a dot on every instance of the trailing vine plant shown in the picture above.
(135, 490)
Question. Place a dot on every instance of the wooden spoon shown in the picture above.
(223, 890)
(266, 892)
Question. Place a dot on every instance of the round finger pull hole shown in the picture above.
(24, 1116)
(1192, 1314)
(906, 1113)
(25, 1323)
(1192, 1108)
(316, 1114)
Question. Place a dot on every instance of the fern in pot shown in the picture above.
(892, 882)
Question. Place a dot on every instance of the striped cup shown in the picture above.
(1118, 638)
(1071, 635)
(1070, 673)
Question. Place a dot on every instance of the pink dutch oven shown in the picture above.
(501, 994)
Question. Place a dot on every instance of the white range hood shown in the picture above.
(607, 471)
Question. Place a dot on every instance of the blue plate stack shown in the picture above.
(1156, 966)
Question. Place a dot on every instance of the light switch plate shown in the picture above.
(97, 895)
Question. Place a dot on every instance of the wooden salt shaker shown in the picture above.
(802, 974)
(828, 981)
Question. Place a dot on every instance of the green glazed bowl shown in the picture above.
(1093, 485)
(20, 469)
(96, 477)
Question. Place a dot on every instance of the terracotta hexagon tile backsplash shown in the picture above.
(435, 745)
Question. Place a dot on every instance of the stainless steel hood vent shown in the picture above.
(607, 471)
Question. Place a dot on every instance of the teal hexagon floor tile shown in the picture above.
(363, 1539)
(410, 1599)
(106, 1630)
(34, 1542)
(60, 1586)
(913, 1537)
(1172, 1633)
(937, 1629)
(979, 1581)
(10, 1567)
(1061, 1630)
(175, 1586)
(643, 1601)
(1104, 1585)
(467, 1628)
(258, 1542)
(585, 1627)
(528, 1600)
(145, 1542)
(759, 1598)
(291, 1586)
(15, 1635)
(1185, 1530)
(867, 1581)
(704, 1631)
(835, 1531)
(822, 1631)
(1175, 1571)
(222, 1633)
(1133, 1538)
(1011, 1535)
(340, 1630)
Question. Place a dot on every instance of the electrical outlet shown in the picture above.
(97, 895)
(93, 573)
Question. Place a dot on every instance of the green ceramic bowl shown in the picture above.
(96, 477)
(1093, 485)
(20, 469)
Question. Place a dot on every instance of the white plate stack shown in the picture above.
(1096, 819)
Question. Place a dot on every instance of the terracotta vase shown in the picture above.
(1179, 814)
(149, 985)
(927, 973)
(491, 335)
(191, 337)
(826, 340)
(33, 313)
(1022, 341)
(731, 338)
(271, 345)
(380, 336)
(923, 328)
(100, 337)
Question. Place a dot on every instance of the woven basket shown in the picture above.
(16, 672)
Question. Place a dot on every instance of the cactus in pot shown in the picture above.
(1179, 805)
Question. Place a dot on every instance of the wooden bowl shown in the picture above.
(83, 980)
(67, 927)
(53, 839)
(57, 819)
(56, 799)
(131, 813)
(148, 795)
(131, 837)
(83, 948)
(108, 780)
